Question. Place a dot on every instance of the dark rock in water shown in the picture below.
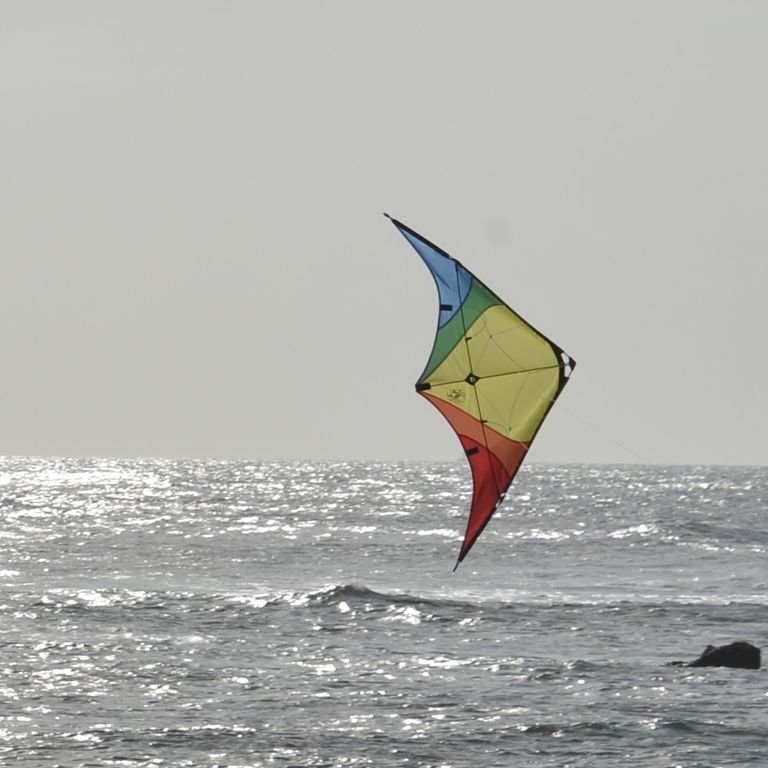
(741, 655)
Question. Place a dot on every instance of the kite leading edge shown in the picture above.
(492, 375)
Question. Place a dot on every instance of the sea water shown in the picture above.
(225, 613)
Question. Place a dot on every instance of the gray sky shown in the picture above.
(194, 260)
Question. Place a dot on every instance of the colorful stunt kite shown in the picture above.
(492, 375)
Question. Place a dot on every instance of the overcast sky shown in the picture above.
(194, 260)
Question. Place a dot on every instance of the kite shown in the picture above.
(491, 374)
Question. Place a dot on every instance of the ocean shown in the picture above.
(247, 614)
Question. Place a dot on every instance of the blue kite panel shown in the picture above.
(452, 280)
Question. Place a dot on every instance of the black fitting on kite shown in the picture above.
(422, 386)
